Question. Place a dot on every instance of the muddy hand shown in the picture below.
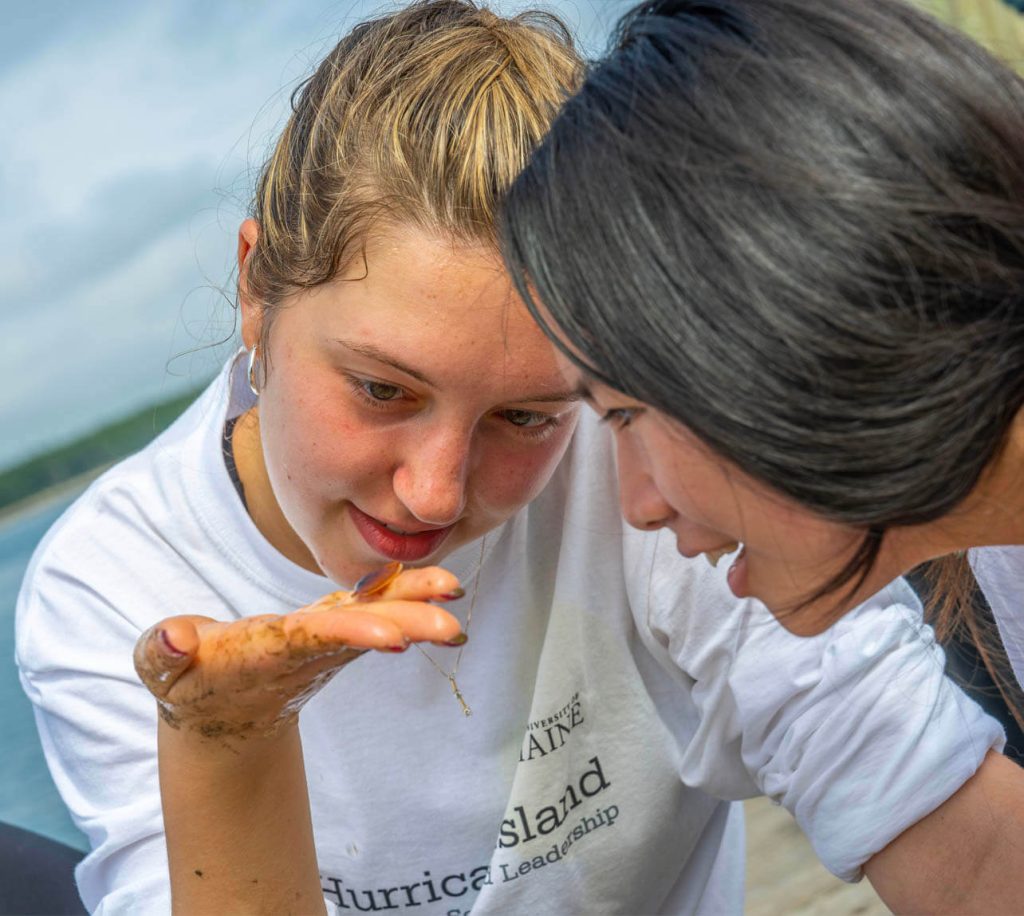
(252, 676)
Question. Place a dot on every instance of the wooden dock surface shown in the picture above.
(785, 878)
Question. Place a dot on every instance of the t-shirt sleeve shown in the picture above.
(1000, 573)
(857, 731)
(97, 726)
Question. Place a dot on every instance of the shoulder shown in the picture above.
(588, 468)
(1000, 574)
(999, 571)
(578, 509)
(141, 498)
(115, 548)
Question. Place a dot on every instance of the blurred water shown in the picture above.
(27, 794)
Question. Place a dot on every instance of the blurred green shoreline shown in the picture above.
(72, 465)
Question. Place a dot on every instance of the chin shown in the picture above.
(344, 582)
(799, 619)
(344, 573)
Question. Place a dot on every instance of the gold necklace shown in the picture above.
(450, 675)
(375, 583)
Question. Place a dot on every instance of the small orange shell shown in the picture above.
(373, 583)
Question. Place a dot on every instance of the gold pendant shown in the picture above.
(458, 696)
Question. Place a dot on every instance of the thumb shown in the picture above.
(164, 652)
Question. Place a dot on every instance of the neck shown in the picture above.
(992, 514)
(261, 502)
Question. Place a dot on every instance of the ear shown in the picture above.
(252, 313)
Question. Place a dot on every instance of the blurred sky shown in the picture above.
(131, 132)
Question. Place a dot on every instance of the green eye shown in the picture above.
(381, 391)
(525, 418)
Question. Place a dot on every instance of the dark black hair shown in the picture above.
(796, 226)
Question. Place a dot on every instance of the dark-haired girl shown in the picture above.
(781, 244)
(796, 287)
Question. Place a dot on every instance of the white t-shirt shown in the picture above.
(619, 691)
(1000, 573)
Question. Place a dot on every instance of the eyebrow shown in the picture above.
(584, 390)
(556, 396)
(381, 356)
(375, 353)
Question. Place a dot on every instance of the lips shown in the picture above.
(408, 547)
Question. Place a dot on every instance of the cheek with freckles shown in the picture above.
(314, 451)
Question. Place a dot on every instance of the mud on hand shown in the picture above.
(250, 677)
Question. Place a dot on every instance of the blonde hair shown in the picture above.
(424, 116)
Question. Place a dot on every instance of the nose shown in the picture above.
(431, 481)
(642, 504)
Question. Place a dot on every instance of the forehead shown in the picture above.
(415, 261)
(443, 307)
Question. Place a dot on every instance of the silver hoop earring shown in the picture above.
(252, 371)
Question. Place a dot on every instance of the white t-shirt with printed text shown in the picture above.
(620, 694)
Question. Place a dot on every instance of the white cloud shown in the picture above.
(130, 138)
(114, 344)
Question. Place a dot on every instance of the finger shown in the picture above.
(311, 635)
(422, 622)
(330, 602)
(431, 583)
(416, 621)
(165, 651)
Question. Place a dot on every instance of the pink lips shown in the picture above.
(407, 548)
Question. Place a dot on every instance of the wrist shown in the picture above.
(211, 746)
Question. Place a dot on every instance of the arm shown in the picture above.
(236, 810)
(239, 835)
(857, 731)
(966, 856)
